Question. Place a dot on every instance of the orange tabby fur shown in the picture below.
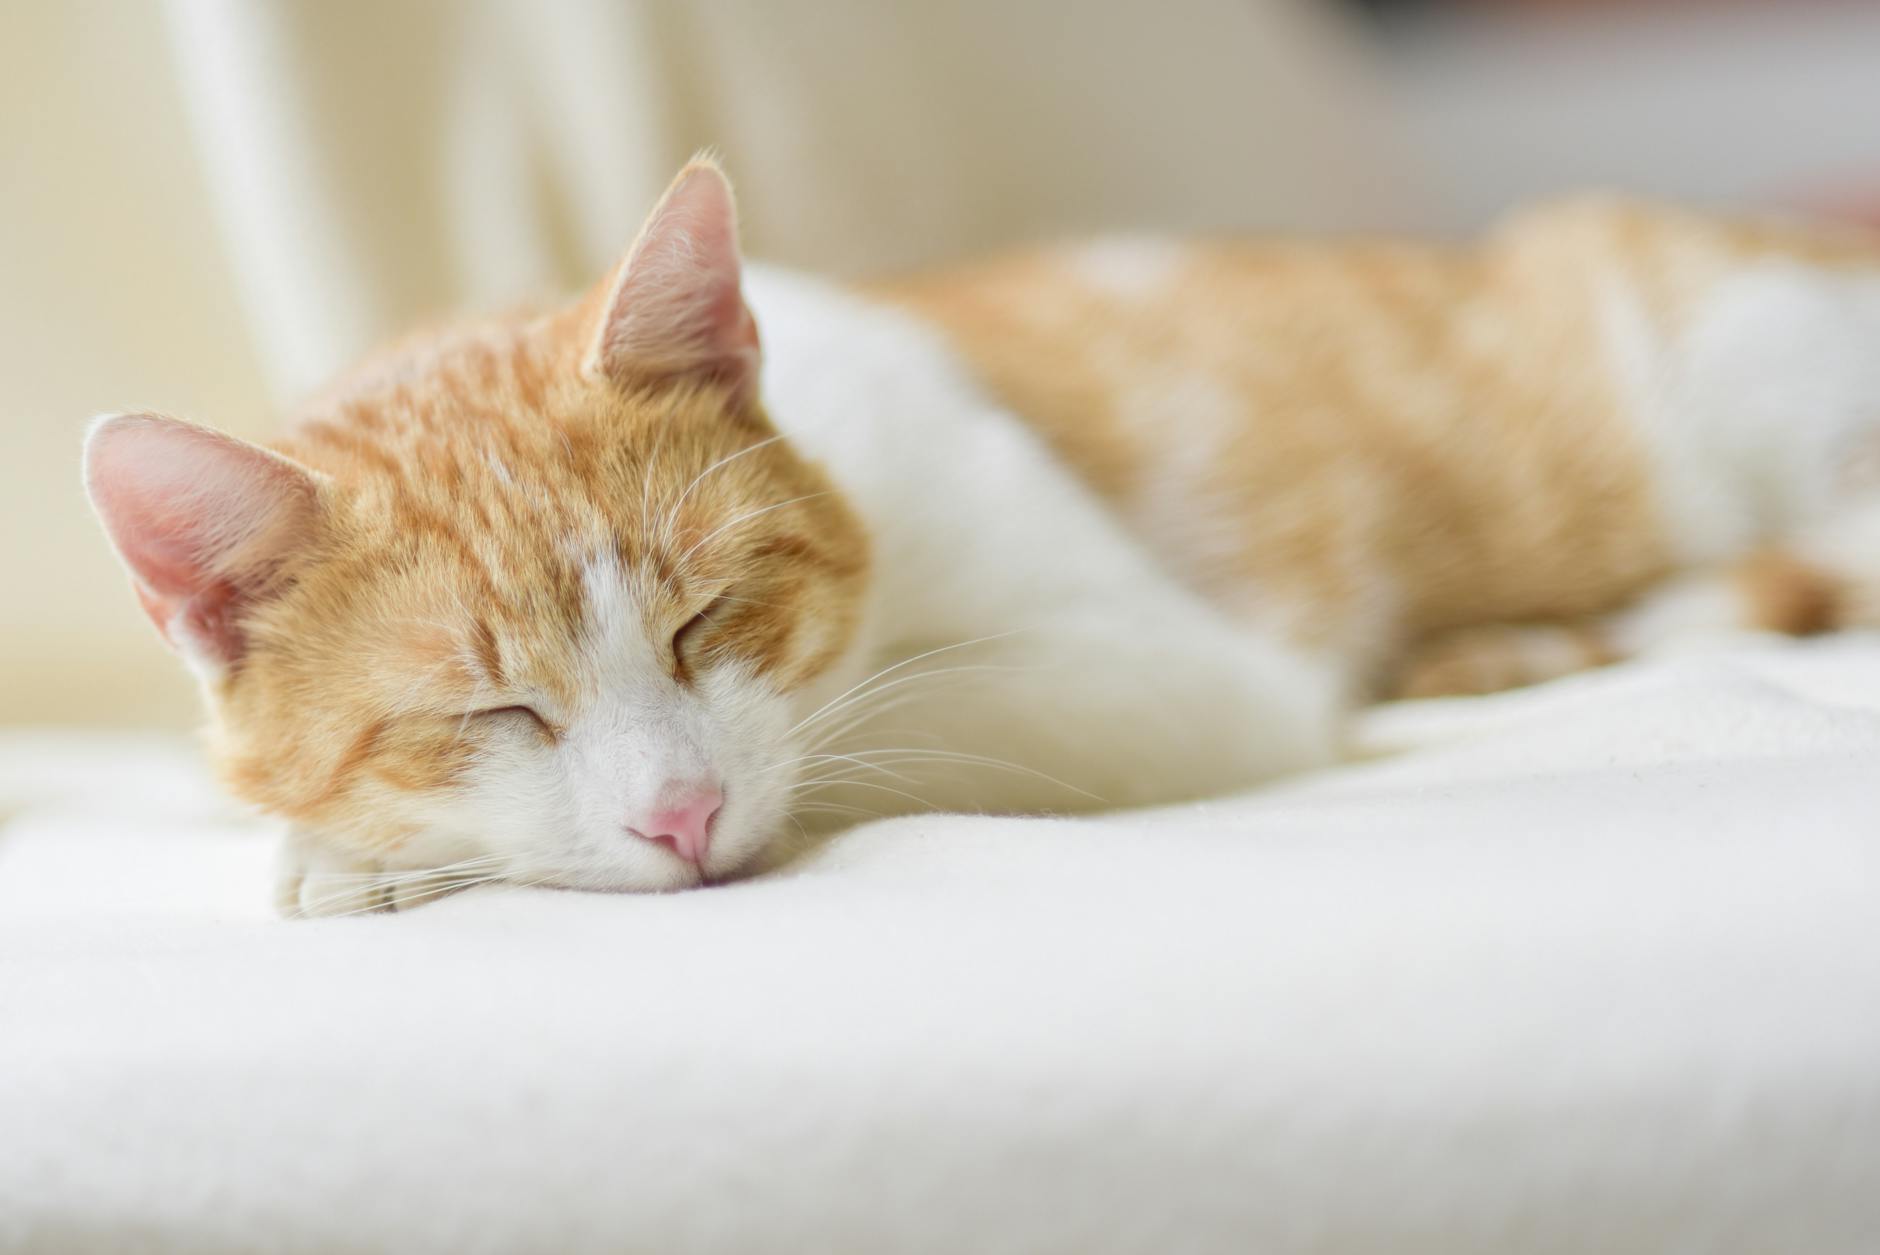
(1404, 440)
(1396, 468)
(471, 601)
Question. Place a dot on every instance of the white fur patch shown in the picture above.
(1093, 664)
(1753, 410)
(1129, 267)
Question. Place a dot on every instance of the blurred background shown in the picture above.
(208, 206)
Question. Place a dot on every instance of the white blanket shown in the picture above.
(1596, 969)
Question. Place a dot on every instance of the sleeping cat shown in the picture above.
(610, 597)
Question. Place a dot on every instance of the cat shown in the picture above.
(621, 595)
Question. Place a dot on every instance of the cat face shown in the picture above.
(549, 593)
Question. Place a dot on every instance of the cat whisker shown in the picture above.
(858, 760)
(383, 898)
(746, 517)
(746, 601)
(647, 477)
(403, 876)
(833, 703)
(901, 681)
(872, 708)
(419, 679)
(809, 785)
(833, 808)
(673, 509)
(913, 757)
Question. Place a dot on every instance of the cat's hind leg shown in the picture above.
(1794, 591)
(1496, 656)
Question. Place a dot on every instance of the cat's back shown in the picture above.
(1371, 430)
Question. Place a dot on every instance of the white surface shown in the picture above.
(1598, 971)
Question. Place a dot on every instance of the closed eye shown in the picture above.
(529, 713)
(688, 632)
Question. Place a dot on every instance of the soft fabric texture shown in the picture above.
(1593, 967)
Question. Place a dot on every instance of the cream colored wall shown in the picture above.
(210, 205)
(113, 294)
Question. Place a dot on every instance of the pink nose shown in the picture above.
(683, 823)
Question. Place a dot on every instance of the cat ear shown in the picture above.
(202, 520)
(674, 308)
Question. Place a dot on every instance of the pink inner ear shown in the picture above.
(677, 307)
(198, 517)
(204, 622)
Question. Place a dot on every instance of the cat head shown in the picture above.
(548, 592)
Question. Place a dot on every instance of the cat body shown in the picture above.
(587, 598)
(1086, 662)
(1370, 449)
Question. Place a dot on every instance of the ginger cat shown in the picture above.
(606, 597)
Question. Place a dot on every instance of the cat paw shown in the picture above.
(1489, 659)
(313, 879)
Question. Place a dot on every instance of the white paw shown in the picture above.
(313, 879)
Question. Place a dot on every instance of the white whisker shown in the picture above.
(914, 757)
(673, 509)
(805, 786)
(900, 681)
(825, 708)
(746, 517)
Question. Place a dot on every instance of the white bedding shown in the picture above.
(1597, 970)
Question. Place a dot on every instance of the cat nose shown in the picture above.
(682, 821)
